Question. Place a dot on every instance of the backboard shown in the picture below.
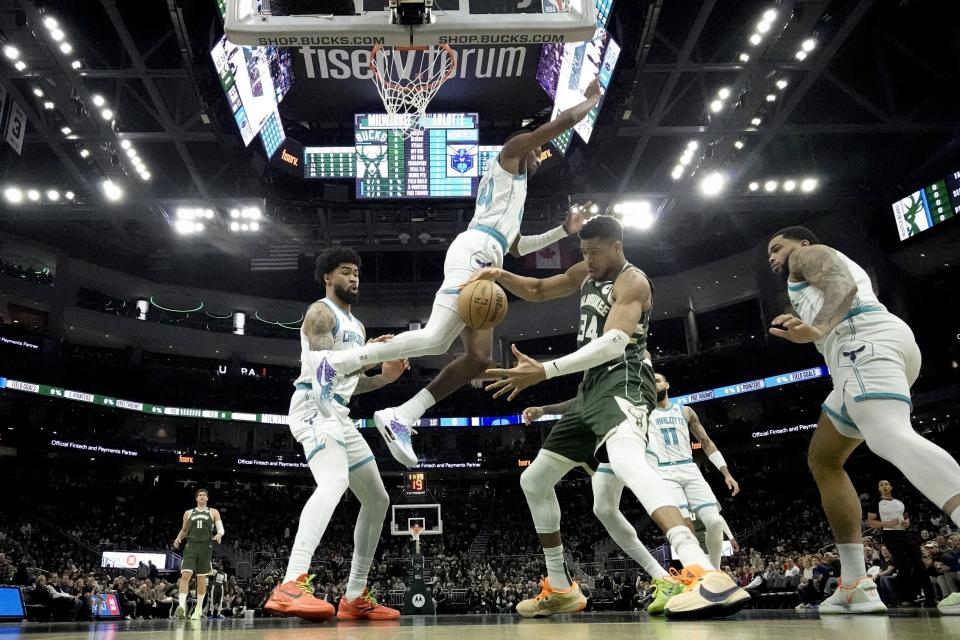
(374, 22)
(403, 517)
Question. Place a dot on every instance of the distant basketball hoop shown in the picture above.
(407, 79)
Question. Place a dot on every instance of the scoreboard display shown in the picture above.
(924, 208)
(329, 162)
(442, 159)
(416, 483)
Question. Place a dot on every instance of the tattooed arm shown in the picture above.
(318, 326)
(824, 269)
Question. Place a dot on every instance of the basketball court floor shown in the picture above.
(902, 624)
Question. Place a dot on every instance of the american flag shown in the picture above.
(281, 257)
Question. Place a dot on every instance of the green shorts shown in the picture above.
(196, 557)
(603, 403)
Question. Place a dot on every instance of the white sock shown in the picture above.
(359, 569)
(852, 564)
(556, 567)
(955, 516)
(416, 406)
(688, 548)
(200, 598)
(182, 599)
(642, 557)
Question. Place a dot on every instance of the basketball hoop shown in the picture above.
(408, 78)
(415, 531)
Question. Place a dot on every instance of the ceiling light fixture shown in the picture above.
(712, 184)
(66, 48)
(756, 122)
(782, 84)
(20, 66)
(755, 39)
(13, 195)
(84, 153)
(744, 57)
(809, 184)
(33, 195)
(738, 144)
(98, 100)
(770, 186)
(11, 52)
(57, 35)
(716, 106)
(789, 185)
(106, 114)
(754, 186)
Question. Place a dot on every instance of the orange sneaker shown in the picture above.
(295, 598)
(551, 601)
(365, 607)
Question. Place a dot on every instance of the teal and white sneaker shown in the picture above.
(950, 606)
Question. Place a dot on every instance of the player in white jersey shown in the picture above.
(493, 231)
(874, 360)
(337, 454)
(670, 453)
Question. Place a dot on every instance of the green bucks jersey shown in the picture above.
(201, 526)
(595, 304)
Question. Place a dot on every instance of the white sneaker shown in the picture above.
(180, 613)
(862, 597)
(950, 606)
(397, 432)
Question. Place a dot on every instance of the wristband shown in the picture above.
(717, 459)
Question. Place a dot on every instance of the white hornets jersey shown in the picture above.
(500, 199)
(348, 333)
(668, 436)
(807, 301)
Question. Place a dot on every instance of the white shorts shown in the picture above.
(471, 250)
(689, 488)
(315, 432)
(874, 357)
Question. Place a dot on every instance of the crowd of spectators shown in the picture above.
(39, 275)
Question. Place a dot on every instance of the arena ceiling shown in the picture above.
(870, 113)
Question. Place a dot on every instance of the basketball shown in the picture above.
(482, 304)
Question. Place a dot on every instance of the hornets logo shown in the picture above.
(461, 162)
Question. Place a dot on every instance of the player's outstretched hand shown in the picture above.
(733, 485)
(593, 89)
(532, 414)
(794, 329)
(577, 217)
(527, 373)
(176, 543)
(384, 338)
(487, 273)
(734, 545)
(218, 538)
(393, 369)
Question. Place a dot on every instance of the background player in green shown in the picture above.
(198, 530)
(608, 422)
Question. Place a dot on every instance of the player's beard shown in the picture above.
(661, 395)
(785, 271)
(349, 297)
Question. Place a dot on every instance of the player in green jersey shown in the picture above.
(198, 528)
(608, 422)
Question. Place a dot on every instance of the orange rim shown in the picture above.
(394, 86)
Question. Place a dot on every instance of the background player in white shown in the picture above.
(670, 453)
(607, 492)
(337, 454)
(494, 230)
(873, 360)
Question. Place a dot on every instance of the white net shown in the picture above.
(408, 78)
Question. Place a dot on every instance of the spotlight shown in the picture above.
(76, 64)
(84, 153)
(771, 97)
(98, 100)
(738, 144)
(808, 185)
(185, 226)
(253, 213)
(685, 159)
(66, 48)
(254, 226)
(782, 84)
(69, 195)
(754, 186)
(770, 15)
(801, 56)
(21, 65)
(131, 152)
(712, 184)
(770, 186)
(594, 209)
(208, 214)
(57, 35)
(33, 195)
(50, 23)
(13, 195)
(724, 93)
(106, 114)
(756, 122)
(145, 175)
(636, 214)
(49, 106)
(113, 192)
(11, 52)
(763, 26)
(53, 195)
(755, 39)
(789, 185)
(66, 130)
(234, 213)
(677, 172)
(245, 227)
(125, 144)
(234, 226)
(809, 45)
(716, 106)
(692, 145)
(744, 57)
(37, 91)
